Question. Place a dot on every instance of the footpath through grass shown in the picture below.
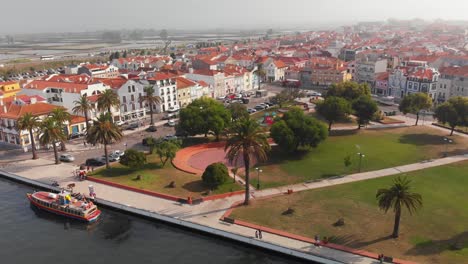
(428, 236)
(382, 148)
(156, 178)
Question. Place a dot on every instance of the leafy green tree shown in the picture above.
(106, 100)
(364, 109)
(415, 103)
(454, 112)
(203, 116)
(83, 106)
(167, 150)
(62, 117)
(133, 158)
(295, 130)
(215, 174)
(29, 122)
(238, 111)
(105, 132)
(397, 197)
(52, 133)
(247, 140)
(124, 55)
(349, 90)
(347, 161)
(334, 109)
(286, 96)
(151, 99)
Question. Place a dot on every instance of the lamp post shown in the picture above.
(447, 141)
(360, 160)
(258, 177)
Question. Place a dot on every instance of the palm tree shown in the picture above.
(396, 197)
(30, 123)
(107, 100)
(62, 117)
(248, 140)
(83, 106)
(150, 99)
(105, 132)
(51, 133)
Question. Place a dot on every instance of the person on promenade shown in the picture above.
(256, 233)
(260, 234)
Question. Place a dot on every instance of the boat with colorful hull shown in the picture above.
(65, 205)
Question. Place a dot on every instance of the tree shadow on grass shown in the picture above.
(195, 186)
(277, 156)
(431, 247)
(422, 139)
(343, 132)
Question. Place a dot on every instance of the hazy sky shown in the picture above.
(21, 16)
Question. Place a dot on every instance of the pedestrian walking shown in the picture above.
(256, 234)
(260, 234)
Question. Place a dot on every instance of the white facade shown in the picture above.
(129, 95)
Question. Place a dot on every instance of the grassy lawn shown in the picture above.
(155, 178)
(425, 237)
(347, 122)
(382, 149)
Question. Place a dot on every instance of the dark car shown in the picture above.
(94, 162)
(152, 129)
(75, 135)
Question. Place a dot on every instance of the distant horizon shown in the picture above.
(50, 16)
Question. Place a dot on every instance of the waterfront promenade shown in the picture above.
(209, 213)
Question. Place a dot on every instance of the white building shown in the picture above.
(165, 87)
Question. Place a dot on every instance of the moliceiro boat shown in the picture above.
(65, 205)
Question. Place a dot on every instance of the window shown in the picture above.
(133, 88)
(129, 89)
(133, 97)
(133, 107)
(124, 99)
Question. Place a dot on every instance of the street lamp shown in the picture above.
(447, 141)
(258, 177)
(360, 160)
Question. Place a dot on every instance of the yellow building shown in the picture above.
(9, 89)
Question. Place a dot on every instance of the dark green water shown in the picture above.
(31, 236)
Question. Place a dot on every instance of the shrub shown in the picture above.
(133, 159)
(215, 175)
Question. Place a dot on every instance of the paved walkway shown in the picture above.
(209, 213)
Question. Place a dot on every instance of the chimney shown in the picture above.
(33, 100)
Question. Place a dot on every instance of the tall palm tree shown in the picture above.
(246, 140)
(30, 123)
(150, 99)
(51, 133)
(107, 100)
(83, 106)
(105, 132)
(396, 197)
(62, 117)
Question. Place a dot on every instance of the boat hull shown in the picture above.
(90, 219)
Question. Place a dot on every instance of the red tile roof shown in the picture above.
(114, 83)
(422, 73)
(15, 111)
(67, 87)
(455, 71)
(184, 83)
(77, 119)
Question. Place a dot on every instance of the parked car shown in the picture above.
(269, 104)
(66, 157)
(118, 153)
(152, 129)
(259, 107)
(111, 157)
(76, 135)
(170, 137)
(266, 106)
(173, 109)
(94, 162)
(251, 110)
(119, 123)
(132, 126)
(222, 98)
(170, 115)
(171, 123)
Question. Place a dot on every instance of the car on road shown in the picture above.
(132, 126)
(170, 116)
(119, 123)
(265, 105)
(251, 110)
(171, 123)
(222, 98)
(66, 157)
(94, 162)
(170, 137)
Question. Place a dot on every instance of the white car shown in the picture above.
(66, 157)
(222, 98)
(118, 153)
(171, 123)
(251, 110)
(119, 123)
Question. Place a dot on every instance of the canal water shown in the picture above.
(31, 236)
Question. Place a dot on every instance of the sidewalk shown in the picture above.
(206, 213)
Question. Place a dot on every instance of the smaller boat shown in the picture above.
(65, 205)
